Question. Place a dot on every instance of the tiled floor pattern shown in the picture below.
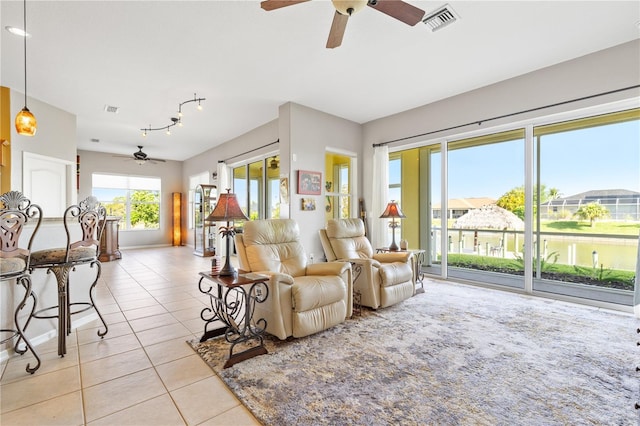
(142, 372)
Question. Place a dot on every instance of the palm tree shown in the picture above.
(554, 193)
(591, 212)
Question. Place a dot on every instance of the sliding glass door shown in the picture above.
(588, 217)
(580, 238)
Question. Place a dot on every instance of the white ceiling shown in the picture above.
(146, 57)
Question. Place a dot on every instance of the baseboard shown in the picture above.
(45, 337)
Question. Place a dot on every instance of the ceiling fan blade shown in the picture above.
(400, 10)
(156, 160)
(336, 33)
(277, 4)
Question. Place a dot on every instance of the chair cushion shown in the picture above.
(311, 292)
(345, 228)
(348, 240)
(273, 245)
(12, 265)
(352, 248)
(57, 255)
(395, 273)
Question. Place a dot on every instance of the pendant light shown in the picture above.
(25, 121)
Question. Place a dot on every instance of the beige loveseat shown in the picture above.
(384, 279)
(303, 299)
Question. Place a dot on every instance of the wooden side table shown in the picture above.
(232, 299)
(418, 259)
(109, 245)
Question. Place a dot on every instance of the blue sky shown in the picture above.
(604, 157)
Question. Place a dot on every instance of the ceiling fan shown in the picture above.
(141, 157)
(397, 9)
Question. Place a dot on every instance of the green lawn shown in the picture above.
(604, 227)
(602, 277)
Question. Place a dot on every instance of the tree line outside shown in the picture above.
(144, 211)
(514, 200)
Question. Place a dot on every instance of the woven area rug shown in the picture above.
(455, 355)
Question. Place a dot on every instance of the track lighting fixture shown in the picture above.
(175, 120)
(195, 99)
(167, 128)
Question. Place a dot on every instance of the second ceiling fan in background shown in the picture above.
(397, 9)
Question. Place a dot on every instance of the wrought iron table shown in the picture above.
(233, 300)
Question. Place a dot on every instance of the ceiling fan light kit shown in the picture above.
(398, 9)
(349, 7)
(175, 120)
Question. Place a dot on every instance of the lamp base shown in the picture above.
(227, 270)
(393, 246)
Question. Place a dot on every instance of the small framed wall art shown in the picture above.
(308, 204)
(309, 183)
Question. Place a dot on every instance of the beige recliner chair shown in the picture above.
(303, 299)
(384, 279)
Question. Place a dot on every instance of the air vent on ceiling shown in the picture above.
(95, 140)
(112, 109)
(440, 18)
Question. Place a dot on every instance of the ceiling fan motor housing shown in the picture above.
(349, 7)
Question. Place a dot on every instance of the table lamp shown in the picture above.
(393, 211)
(227, 210)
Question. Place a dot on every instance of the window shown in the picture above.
(135, 199)
(257, 188)
(395, 177)
(338, 186)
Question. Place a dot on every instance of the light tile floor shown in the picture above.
(143, 372)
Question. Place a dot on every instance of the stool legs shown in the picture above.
(64, 307)
(25, 282)
(62, 277)
(98, 264)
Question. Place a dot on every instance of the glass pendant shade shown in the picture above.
(26, 123)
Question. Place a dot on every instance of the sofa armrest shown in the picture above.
(391, 257)
(327, 268)
(278, 277)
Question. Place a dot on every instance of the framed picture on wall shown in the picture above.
(309, 183)
(308, 204)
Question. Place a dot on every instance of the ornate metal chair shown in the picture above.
(16, 212)
(90, 216)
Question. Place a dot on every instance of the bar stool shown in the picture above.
(90, 215)
(14, 260)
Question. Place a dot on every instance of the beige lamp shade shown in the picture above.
(227, 209)
(392, 211)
